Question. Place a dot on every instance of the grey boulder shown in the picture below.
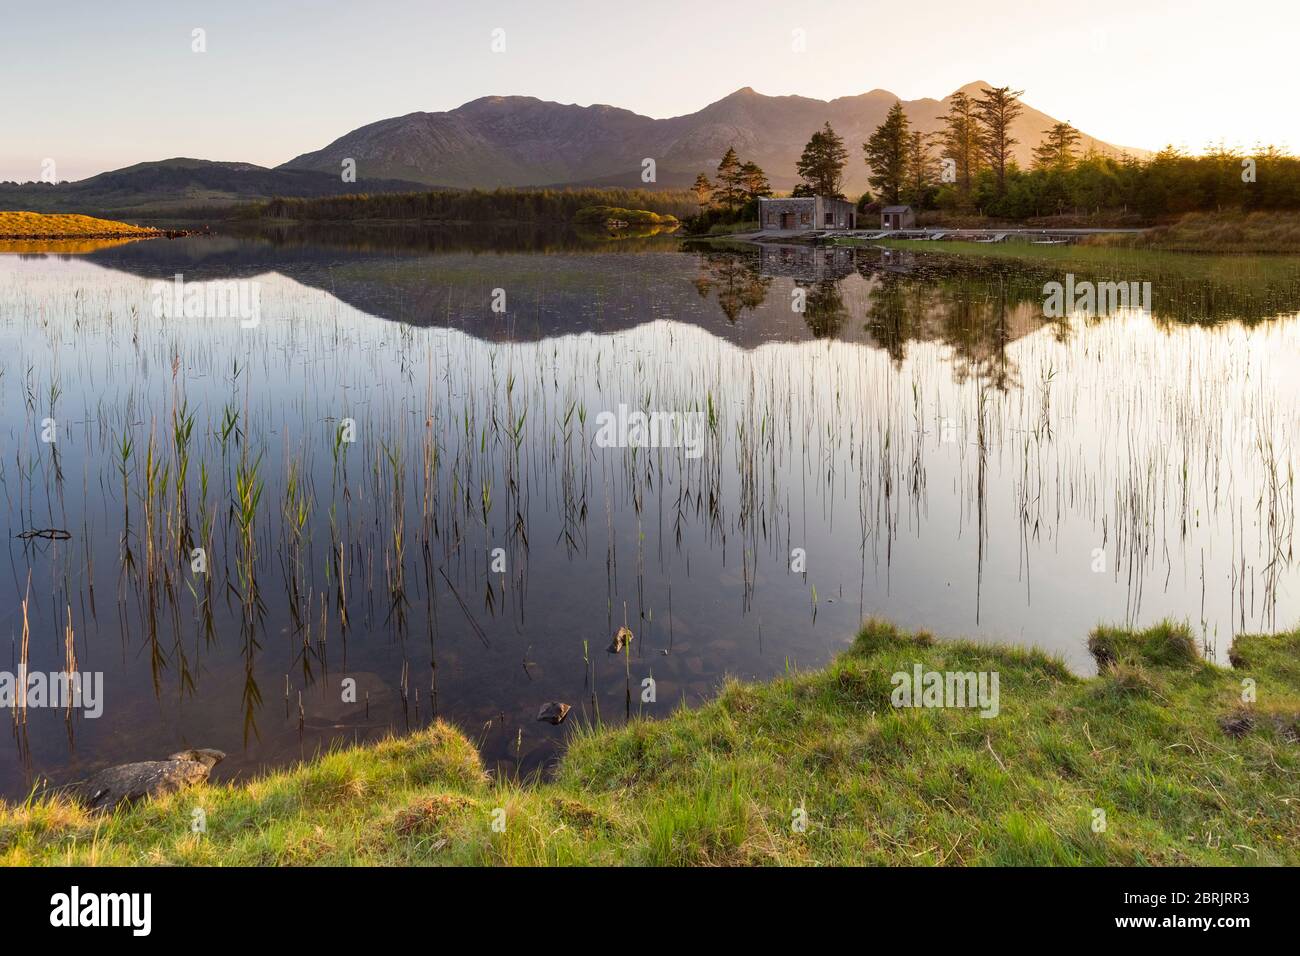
(129, 782)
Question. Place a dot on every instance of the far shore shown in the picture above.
(1222, 233)
(35, 226)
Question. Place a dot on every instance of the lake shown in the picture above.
(328, 486)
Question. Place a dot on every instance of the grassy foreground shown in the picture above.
(1160, 741)
(35, 225)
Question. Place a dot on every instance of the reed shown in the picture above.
(921, 432)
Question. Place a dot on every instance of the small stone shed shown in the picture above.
(806, 212)
(897, 217)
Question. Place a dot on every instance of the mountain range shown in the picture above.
(169, 185)
(524, 141)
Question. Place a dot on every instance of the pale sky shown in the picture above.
(97, 85)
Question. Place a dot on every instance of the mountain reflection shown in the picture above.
(562, 284)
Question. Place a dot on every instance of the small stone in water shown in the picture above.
(622, 638)
(554, 712)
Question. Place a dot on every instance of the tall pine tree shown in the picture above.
(1057, 149)
(997, 108)
(922, 170)
(961, 142)
(754, 181)
(703, 190)
(821, 167)
(730, 192)
(886, 154)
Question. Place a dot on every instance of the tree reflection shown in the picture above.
(824, 308)
(735, 280)
(977, 321)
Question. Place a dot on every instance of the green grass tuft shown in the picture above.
(810, 768)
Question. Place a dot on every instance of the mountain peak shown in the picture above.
(523, 141)
(496, 101)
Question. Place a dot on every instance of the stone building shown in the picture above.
(804, 213)
(897, 217)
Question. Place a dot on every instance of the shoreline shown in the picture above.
(1156, 760)
(22, 226)
(77, 237)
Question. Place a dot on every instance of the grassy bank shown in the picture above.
(1124, 261)
(1226, 232)
(1145, 742)
(727, 229)
(35, 225)
(604, 215)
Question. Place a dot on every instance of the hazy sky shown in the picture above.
(99, 84)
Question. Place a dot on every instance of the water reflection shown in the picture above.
(731, 281)
(944, 456)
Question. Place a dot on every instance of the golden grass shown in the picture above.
(35, 225)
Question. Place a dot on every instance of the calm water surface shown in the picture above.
(920, 440)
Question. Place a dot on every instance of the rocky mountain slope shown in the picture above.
(523, 141)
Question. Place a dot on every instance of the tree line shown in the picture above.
(975, 138)
(731, 197)
(968, 166)
(479, 205)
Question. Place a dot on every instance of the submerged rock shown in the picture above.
(129, 782)
(622, 638)
(554, 712)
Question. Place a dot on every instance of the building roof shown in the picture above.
(897, 209)
(802, 199)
